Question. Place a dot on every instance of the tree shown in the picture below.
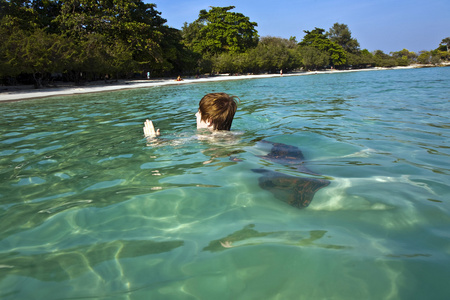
(224, 63)
(176, 56)
(190, 32)
(404, 57)
(273, 54)
(138, 26)
(6, 67)
(219, 30)
(435, 59)
(443, 51)
(361, 59)
(17, 14)
(424, 57)
(46, 11)
(341, 35)
(106, 37)
(445, 42)
(383, 60)
(313, 58)
(36, 53)
(317, 39)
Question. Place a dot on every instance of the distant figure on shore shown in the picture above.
(281, 72)
(179, 78)
(148, 75)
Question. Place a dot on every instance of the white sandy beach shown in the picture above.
(17, 93)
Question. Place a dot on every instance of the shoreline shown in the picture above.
(21, 93)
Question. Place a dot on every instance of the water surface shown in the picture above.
(89, 210)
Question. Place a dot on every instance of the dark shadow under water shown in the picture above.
(296, 191)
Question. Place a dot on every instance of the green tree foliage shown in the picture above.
(131, 22)
(430, 57)
(424, 57)
(274, 54)
(225, 63)
(36, 53)
(85, 39)
(436, 59)
(94, 57)
(17, 14)
(404, 57)
(341, 35)
(46, 11)
(104, 37)
(190, 32)
(317, 39)
(444, 45)
(270, 56)
(360, 59)
(7, 49)
(443, 51)
(176, 57)
(383, 60)
(313, 58)
(219, 30)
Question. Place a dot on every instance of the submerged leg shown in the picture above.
(296, 191)
(287, 155)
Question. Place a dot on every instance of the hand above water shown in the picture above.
(149, 129)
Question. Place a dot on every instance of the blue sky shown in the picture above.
(388, 25)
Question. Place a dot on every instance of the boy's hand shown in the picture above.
(149, 129)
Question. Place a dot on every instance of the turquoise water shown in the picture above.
(88, 210)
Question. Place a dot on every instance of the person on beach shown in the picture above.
(215, 112)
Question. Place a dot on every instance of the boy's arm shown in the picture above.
(149, 129)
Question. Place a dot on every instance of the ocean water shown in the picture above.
(90, 210)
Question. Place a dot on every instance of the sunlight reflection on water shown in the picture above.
(88, 209)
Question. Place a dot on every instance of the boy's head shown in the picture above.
(217, 111)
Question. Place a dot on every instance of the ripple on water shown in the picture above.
(90, 209)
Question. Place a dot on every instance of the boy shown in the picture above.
(216, 112)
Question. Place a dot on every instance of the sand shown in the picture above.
(18, 93)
